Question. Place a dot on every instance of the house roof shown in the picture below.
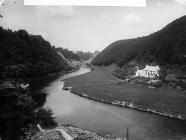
(152, 68)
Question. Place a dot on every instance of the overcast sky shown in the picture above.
(90, 28)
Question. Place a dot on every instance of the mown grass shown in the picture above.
(103, 85)
(99, 76)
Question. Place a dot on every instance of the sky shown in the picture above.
(90, 28)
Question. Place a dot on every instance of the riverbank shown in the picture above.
(22, 106)
(69, 132)
(36, 83)
(102, 86)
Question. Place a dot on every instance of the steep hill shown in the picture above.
(92, 57)
(70, 55)
(25, 55)
(74, 63)
(164, 47)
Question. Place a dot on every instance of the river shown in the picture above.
(105, 119)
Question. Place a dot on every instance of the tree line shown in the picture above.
(25, 55)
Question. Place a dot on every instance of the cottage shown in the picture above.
(148, 71)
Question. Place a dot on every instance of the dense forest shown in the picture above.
(25, 55)
(165, 47)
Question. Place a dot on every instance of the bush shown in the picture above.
(45, 118)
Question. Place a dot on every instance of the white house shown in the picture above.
(148, 71)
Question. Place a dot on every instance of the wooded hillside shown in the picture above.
(164, 47)
(25, 55)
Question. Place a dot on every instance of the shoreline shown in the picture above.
(36, 80)
(129, 105)
(70, 132)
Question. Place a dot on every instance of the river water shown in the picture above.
(105, 119)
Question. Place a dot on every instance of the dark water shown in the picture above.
(107, 119)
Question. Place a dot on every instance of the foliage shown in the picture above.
(45, 118)
(84, 56)
(165, 47)
(19, 116)
(39, 98)
(25, 55)
(68, 54)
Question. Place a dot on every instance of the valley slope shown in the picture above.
(165, 47)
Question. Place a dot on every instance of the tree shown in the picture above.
(45, 118)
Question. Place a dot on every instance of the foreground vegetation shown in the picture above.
(21, 110)
(23, 57)
(101, 85)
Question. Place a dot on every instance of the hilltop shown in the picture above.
(165, 47)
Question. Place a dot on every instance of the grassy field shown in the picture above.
(103, 85)
(99, 76)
